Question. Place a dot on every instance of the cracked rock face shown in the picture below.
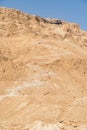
(43, 73)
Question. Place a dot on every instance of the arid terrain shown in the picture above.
(43, 73)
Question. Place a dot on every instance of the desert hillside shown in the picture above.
(43, 73)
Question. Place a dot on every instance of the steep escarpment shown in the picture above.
(43, 73)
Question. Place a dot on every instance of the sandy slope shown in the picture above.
(43, 73)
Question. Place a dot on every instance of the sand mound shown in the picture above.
(43, 73)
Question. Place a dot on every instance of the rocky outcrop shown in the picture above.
(54, 21)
